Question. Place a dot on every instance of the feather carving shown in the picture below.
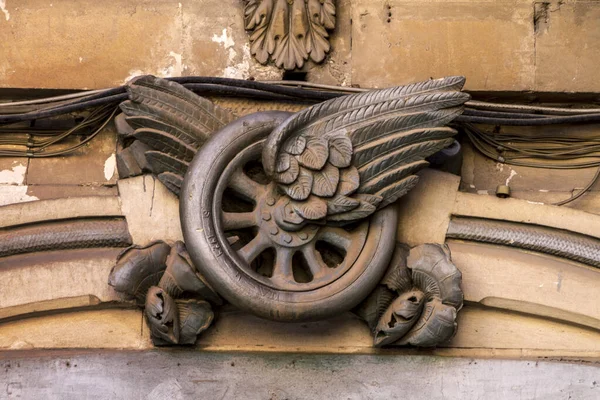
(362, 150)
(174, 122)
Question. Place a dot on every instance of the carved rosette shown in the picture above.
(289, 32)
(417, 301)
(162, 280)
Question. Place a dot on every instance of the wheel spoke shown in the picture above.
(243, 185)
(336, 236)
(282, 270)
(315, 262)
(256, 246)
(233, 221)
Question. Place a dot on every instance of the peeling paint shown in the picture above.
(4, 10)
(536, 202)
(513, 173)
(225, 39)
(109, 166)
(176, 67)
(239, 70)
(132, 74)
(234, 69)
(11, 194)
(14, 176)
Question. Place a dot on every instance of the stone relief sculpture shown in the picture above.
(417, 300)
(291, 216)
(162, 279)
(289, 32)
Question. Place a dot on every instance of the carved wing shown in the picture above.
(343, 159)
(289, 31)
(173, 121)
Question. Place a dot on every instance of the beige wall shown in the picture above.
(497, 44)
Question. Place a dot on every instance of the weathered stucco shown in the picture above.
(498, 45)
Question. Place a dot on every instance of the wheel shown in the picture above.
(236, 244)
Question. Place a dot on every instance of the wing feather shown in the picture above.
(165, 143)
(137, 122)
(162, 162)
(402, 156)
(172, 181)
(173, 121)
(374, 185)
(362, 150)
(394, 191)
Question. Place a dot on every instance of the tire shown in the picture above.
(200, 210)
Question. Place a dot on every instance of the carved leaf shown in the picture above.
(283, 162)
(399, 318)
(340, 151)
(162, 316)
(313, 208)
(295, 145)
(339, 204)
(321, 16)
(326, 181)
(138, 268)
(436, 325)
(291, 173)
(301, 187)
(349, 181)
(289, 32)
(315, 154)
(290, 53)
(195, 316)
(375, 305)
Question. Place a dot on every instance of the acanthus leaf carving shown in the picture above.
(289, 32)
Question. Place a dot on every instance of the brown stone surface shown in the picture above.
(107, 329)
(567, 46)
(71, 273)
(96, 45)
(49, 192)
(424, 213)
(398, 41)
(57, 209)
(497, 45)
(151, 210)
(93, 164)
(482, 175)
(528, 282)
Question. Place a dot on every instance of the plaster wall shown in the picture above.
(507, 45)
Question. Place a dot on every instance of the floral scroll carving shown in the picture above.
(417, 300)
(162, 280)
(289, 32)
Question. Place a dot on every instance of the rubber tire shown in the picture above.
(218, 263)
